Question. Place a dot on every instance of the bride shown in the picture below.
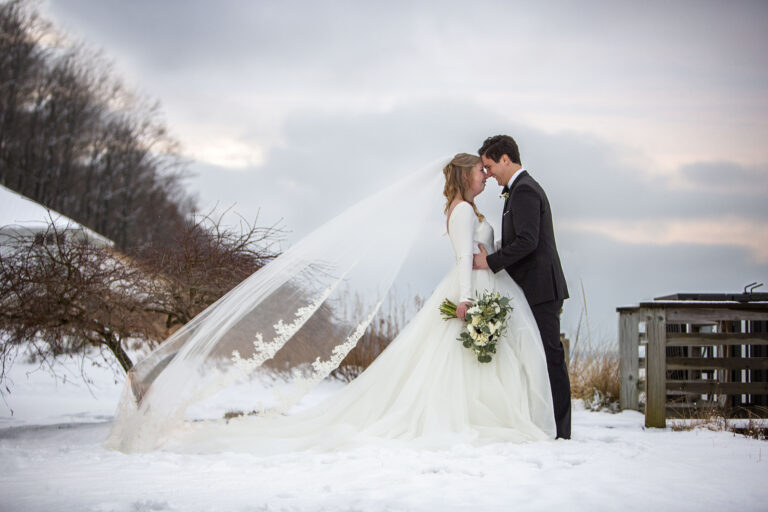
(425, 389)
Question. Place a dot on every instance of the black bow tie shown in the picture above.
(505, 190)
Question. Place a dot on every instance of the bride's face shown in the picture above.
(476, 180)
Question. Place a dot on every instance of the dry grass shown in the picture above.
(594, 372)
(712, 418)
(594, 377)
(385, 327)
(754, 428)
(719, 419)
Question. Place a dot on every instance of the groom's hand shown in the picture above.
(461, 309)
(479, 261)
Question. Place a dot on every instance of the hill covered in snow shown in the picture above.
(21, 215)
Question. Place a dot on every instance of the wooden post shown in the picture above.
(723, 375)
(656, 368)
(629, 343)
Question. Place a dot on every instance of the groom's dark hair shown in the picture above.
(498, 145)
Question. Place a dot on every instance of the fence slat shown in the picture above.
(712, 315)
(730, 363)
(710, 339)
(711, 388)
(656, 376)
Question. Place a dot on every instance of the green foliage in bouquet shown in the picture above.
(485, 323)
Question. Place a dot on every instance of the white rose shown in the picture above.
(476, 320)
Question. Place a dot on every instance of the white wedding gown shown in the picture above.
(425, 389)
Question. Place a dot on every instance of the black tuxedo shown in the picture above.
(529, 254)
(528, 251)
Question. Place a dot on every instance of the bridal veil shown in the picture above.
(273, 337)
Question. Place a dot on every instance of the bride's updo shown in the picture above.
(457, 179)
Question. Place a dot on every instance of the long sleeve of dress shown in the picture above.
(461, 230)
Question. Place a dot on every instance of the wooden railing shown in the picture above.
(697, 354)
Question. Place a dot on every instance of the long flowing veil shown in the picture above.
(284, 328)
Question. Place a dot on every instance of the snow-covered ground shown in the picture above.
(52, 458)
(22, 215)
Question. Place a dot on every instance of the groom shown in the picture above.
(528, 253)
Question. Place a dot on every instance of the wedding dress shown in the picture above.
(425, 389)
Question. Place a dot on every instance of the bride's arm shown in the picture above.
(461, 229)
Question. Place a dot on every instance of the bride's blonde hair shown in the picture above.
(457, 174)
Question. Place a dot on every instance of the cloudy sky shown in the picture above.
(646, 123)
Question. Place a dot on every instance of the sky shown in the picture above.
(644, 122)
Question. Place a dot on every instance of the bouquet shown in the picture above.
(485, 323)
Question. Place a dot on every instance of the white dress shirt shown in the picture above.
(514, 177)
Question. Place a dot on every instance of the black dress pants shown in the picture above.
(547, 317)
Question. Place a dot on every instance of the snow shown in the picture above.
(16, 209)
(19, 211)
(53, 459)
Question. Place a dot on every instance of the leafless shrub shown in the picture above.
(204, 260)
(61, 294)
(68, 295)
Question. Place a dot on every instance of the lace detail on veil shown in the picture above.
(265, 351)
(321, 368)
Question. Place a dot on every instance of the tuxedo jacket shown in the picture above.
(528, 251)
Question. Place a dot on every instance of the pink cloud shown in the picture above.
(729, 230)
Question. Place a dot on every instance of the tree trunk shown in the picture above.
(117, 349)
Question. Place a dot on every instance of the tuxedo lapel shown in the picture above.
(518, 180)
(508, 190)
(506, 216)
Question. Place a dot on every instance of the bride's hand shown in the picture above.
(461, 309)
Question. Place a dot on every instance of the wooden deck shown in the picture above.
(691, 354)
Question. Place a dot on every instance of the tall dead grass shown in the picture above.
(385, 327)
(593, 370)
(737, 420)
(594, 376)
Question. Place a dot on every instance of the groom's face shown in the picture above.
(496, 170)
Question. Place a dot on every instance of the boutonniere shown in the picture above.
(504, 195)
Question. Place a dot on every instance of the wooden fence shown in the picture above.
(691, 354)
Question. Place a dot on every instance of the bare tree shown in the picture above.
(22, 67)
(73, 138)
(204, 262)
(61, 294)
